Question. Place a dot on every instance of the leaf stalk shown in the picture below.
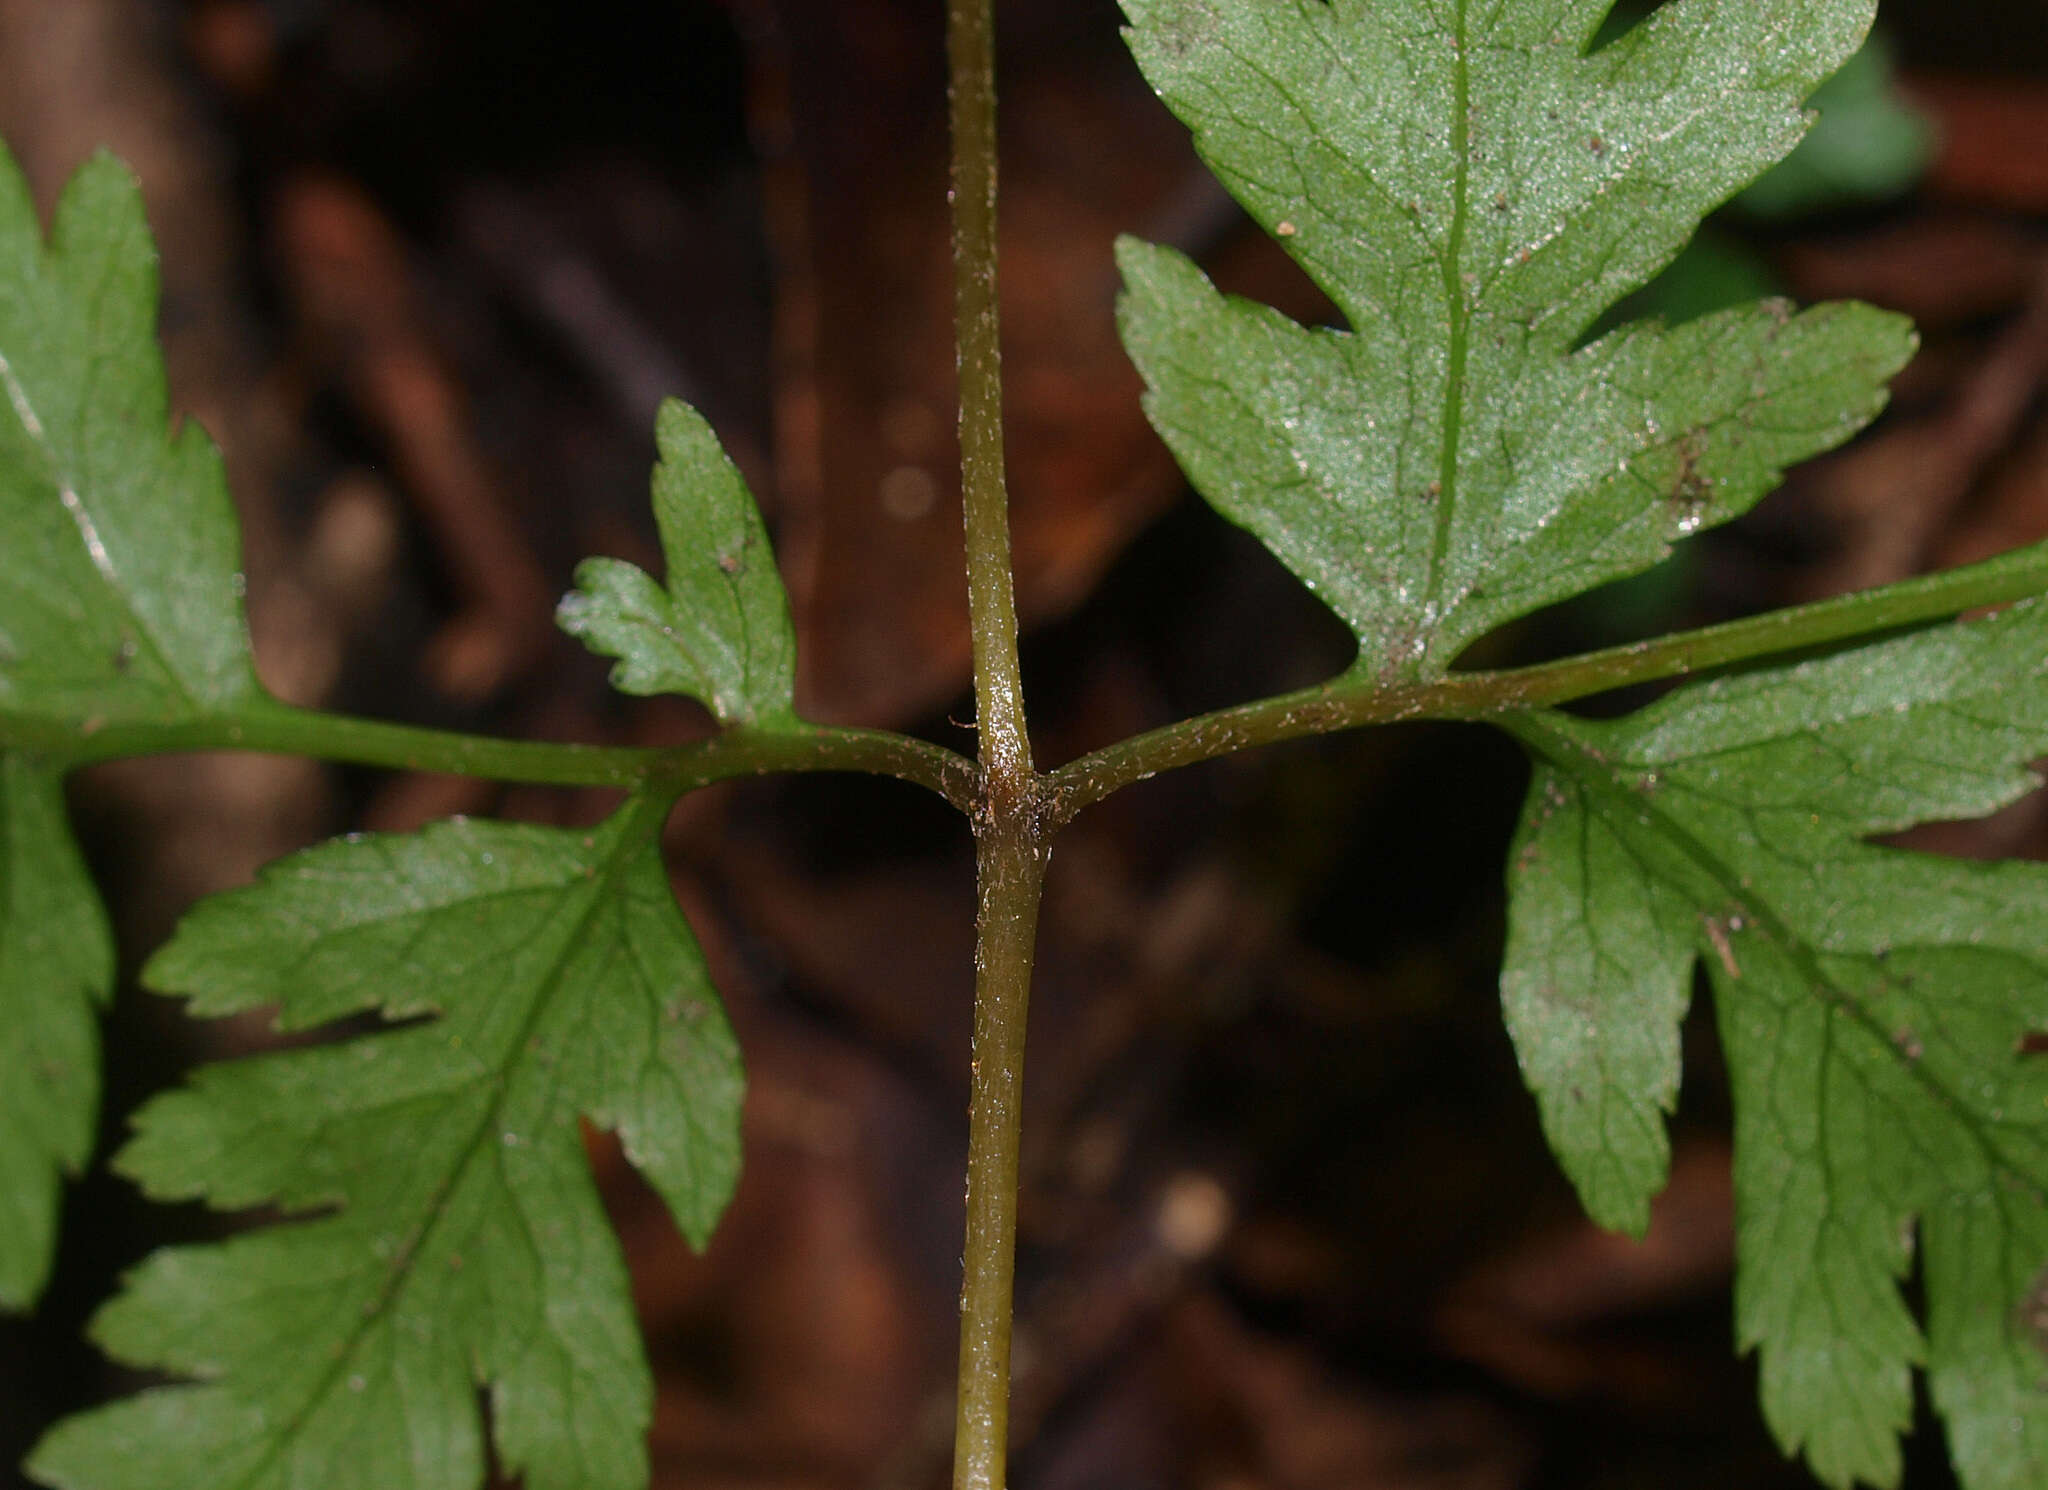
(275, 728)
(1347, 702)
(1361, 698)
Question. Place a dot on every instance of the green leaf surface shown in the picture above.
(543, 974)
(120, 594)
(56, 965)
(1874, 1005)
(1472, 189)
(1870, 144)
(720, 630)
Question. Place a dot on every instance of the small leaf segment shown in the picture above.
(56, 966)
(719, 630)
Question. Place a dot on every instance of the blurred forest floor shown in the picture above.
(1288, 1223)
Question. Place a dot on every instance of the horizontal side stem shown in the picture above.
(2021, 574)
(1359, 699)
(274, 728)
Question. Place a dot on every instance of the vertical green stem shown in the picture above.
(992, 609)
(1011, 869)
(1009, 850)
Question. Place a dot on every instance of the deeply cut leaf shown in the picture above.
(464, 1241)
(1471, 189)
(1875, 1007)
(120, 592)
(56, 964)
(720, 631)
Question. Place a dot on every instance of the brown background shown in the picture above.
(1287, 1218)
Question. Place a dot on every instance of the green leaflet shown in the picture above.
(720, 632)
(1472, 191)
(1872, 1004)
(56, 963)
(120, 601)
(462, 1241)
(120, 594)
